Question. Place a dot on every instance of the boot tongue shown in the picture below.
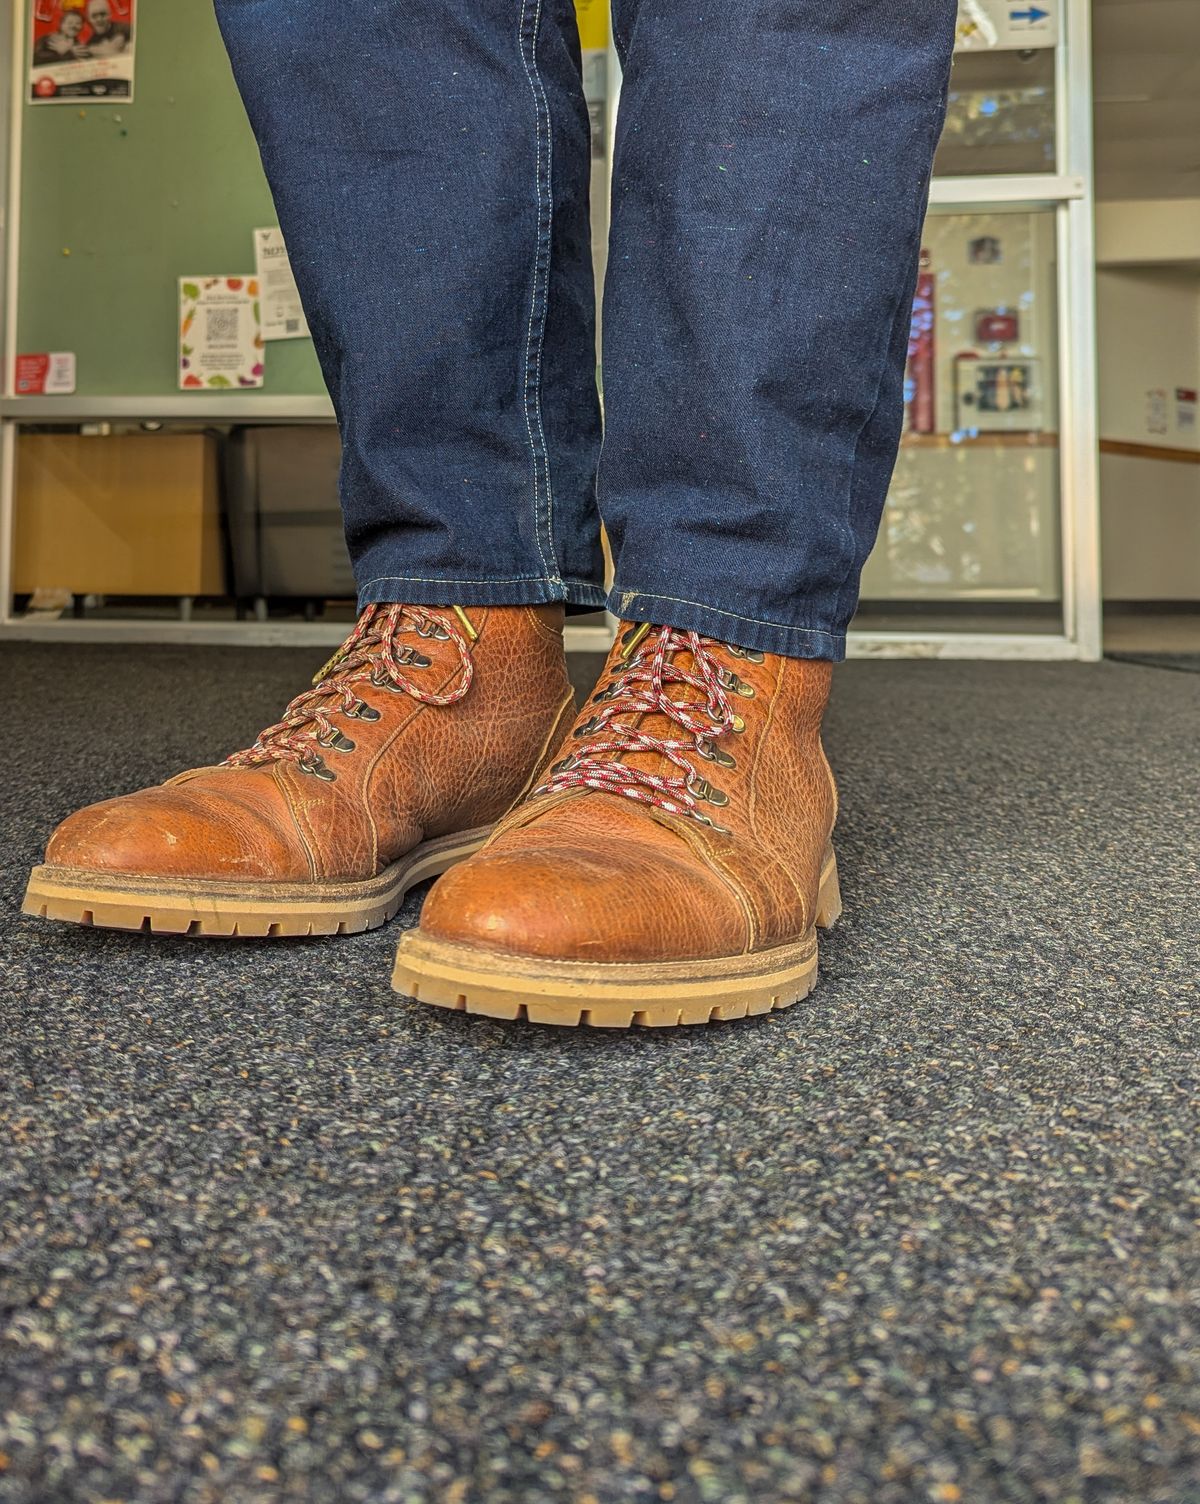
(378, 623)
(361, 630)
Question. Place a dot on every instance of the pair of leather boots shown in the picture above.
(662, 857)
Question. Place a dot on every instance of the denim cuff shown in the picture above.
(728, 626)
(522, 590)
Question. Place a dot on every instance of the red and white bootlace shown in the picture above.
(371, 654)
(639, 689)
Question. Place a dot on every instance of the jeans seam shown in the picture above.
(516, 579)
(540, 290)
(627, 597)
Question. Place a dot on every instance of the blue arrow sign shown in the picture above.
(1033, 15)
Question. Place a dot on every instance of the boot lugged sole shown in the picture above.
(614, 996)
(201, 906)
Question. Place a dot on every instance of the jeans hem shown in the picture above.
(791, 641)
(520, 590)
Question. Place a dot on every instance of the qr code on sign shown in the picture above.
(222, 325)
(292, 326)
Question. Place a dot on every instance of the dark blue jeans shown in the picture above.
(430, 167)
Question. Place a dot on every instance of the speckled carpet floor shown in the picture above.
(1182, 663)
(269, 1233)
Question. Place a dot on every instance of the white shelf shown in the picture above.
(237, 407)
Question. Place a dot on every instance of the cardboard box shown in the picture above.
(129, 514)
(285, 525)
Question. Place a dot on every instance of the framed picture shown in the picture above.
(1001, 395)
(985, 250)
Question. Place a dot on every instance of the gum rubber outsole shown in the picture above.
(467, 979)
(225, 910)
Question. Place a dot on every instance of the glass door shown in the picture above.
(989, 541)
(988, 544)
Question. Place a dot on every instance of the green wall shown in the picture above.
(138, 195)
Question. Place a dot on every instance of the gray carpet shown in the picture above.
(1181, 663)
(269, 1233)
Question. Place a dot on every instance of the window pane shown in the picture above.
(972, 519)
(1000, 116)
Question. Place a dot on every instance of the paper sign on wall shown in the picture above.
(220, 341)
(45, 375)
(1006, 25)
(1156, 410)
(282, 315)
(81, 49)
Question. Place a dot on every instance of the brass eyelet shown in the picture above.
(315, 767)
(337, 741)
(711, 753)
(712, 824)
(734, 684)
(363, 712)
(702, 789)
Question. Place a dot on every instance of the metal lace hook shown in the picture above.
(465, 622)
(634, 640)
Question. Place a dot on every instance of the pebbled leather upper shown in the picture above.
(593, 876)
(417, 772)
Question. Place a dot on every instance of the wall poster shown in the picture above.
(220, 333)
(81, 49)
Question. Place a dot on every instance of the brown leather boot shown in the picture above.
(417, 735)
(670, 867)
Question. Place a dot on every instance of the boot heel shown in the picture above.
(829, 895)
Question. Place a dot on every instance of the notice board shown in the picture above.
(119, 200)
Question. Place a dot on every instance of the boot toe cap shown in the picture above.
(172, 832)
(609, 905)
